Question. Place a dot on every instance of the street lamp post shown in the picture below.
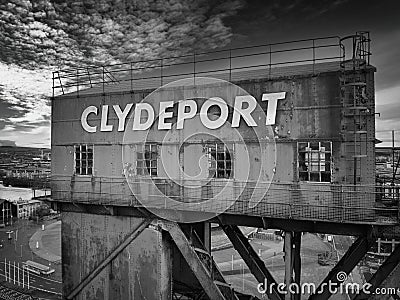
(9, 235)
(242, 265)
(3, 210)
(18, 274)
(5, 268)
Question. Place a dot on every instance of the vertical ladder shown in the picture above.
(353, 85)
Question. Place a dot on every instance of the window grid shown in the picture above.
(315, 161)
(219, 161)
(146, 160)
(84, 159)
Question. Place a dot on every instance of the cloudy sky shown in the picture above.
(39, 36)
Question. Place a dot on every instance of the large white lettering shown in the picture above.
(214, 124)
(137, 125)
(122, 115)
(88, 110)
(144, 113)
(272, 99)
(182, 114)
(104, 117)
(245, 113)
(165, 115)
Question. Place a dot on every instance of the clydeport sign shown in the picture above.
(187, 109)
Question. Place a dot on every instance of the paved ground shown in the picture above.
(17, 250)
(47, 243)
(236, 272)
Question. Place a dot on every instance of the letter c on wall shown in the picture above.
(86, 112)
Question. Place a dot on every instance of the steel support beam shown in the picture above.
(382, 273)
(297, 261)
(194, 262)
(346, 264)
(316, 226)
(288, 261)
(252, 260)
(142, 226)
(197, 242)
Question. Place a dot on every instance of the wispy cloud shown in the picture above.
(37, 36)
(48, 33)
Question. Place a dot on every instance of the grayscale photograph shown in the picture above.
(199, 150)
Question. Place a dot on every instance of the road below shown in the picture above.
(43, 283)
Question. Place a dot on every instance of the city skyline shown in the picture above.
(42, 36)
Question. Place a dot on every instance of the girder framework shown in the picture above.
(202, 273)
(252, 260)
(213, 285)
(346, 264)
(382, 273)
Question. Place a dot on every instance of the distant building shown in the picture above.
(22, 209)
(26, 208)
(5, 212)
(29, 171)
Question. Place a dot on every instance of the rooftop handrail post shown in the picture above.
(161, 70)
(230, 64)
(270, 59)
(131, 75)
(77, 81)
(313, 54)
(53, 85)
(87, 69)
(194, 67)
(59, 79)
(103, 74)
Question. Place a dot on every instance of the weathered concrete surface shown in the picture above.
(141, 271)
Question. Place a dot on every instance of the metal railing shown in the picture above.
(265, 57)
(301, 200)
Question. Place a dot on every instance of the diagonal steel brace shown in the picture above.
(194, 262)
(346, 264)
(142, 226)
(382, 273)
(252, 260)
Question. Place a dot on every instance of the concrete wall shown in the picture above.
(141, 271)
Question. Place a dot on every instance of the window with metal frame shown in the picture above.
(219, 161)
(314, 161)
(83, 159)
(146, 159)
